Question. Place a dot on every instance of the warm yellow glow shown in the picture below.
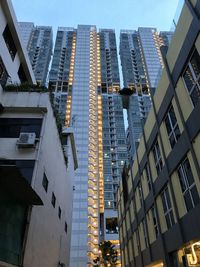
(93, 205)
(71, 77)
(156, 264)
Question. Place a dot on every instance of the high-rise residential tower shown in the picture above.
(85, 79)
(114, 144)
(26, 29)
(142, 64)
(39, 43)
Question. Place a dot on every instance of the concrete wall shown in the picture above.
(7, 16)
(47, 242)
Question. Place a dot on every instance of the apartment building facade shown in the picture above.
(85, 80)
(159, 195)
(142, 63)
(39, 43)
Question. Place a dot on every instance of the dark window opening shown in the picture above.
(125, 185)
(167, 208)
(53, 200)
(59, 212)
(155, 221)
(112, 226)
(188, 185)
(148, 175)
(65, 227)
(172, 127)
(191, 77)
(45, 182)
(9, 42)
(12, 127)
(157, 157)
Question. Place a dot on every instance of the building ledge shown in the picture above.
(14, 187)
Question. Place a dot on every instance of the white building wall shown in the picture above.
(80, 113)
(12, 67)
(47, 242)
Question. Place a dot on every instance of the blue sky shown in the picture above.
(116, 14)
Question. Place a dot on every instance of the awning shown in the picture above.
(14, 187)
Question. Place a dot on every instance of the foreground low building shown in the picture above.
(36, 171)
(159, 196)
(36, 182)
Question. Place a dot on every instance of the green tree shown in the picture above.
(108, 255)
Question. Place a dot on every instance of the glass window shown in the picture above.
(167, 207)
(112, 226)
(155, 221)
(157, 157)
(107, 187)
(140, 193)
(172, 126)
(191, 77)
(12, 127)
(53, 200)
(148, 175)
(188, 186)
(145, 232)
(108, 195)
(45, 182)
(65, 227)
(59, 212)
(108, 204)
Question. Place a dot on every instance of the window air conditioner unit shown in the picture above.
(26, 140)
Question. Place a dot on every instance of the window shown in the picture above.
(188, 186)
(148, 175)
(53, 200)
(108, 187)
(9, 42)
(191, 77)
(59, 212)
(108, 195)
(145, 232)
(155, 221)
(65, 227)
(172, 127)
(11, 127)
(112, 226)
(167, 207)
(157, 157)
(45, 182)
(140, 193)
(108, 204)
